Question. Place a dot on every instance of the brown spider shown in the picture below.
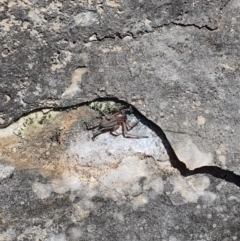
(112, 123)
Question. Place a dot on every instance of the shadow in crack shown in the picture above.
(175, 162)
(214, 171)
(218, 173)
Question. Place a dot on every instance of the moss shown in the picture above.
(32, 122)
(103, 106)
(109, 106)
(43, 120)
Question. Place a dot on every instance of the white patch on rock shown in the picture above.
(190, 189)
(6, 170)
(113, 167)
(133, 177)
(139, 201)
(85, 189)
(108, 149)
(189, 153)
(222, 160)
(126, 179)
(126, 38)
(76, 80)
(66, 183)
(93, 38)
(85, 19)
(2, 121)
(42, 190)
(201, 120)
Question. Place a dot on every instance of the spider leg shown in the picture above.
(109, 117)
(100, 131)
(114, 132)
(91, 127)
(129, 127)
(127, 135)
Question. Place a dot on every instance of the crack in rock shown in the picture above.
(80, 177)
(95, 37)
(26, 125)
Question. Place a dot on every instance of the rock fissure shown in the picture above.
(182, 182)
(143, 32)
(215, 171)
(195, 26)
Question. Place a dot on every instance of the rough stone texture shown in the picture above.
(177, 62)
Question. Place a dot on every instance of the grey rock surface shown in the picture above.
(177, 63)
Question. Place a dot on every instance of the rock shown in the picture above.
(176, 63)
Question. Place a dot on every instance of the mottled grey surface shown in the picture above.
(177, 62)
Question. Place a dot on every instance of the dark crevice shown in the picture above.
(140, 33)
(57, 108)
(194, 25)
(214, 171)
(112, 36)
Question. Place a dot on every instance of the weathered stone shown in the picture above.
(177, 62)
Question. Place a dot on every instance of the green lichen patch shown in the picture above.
(108, 106)
(103, 106)
(33, 122)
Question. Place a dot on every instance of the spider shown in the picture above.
(112, 123)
